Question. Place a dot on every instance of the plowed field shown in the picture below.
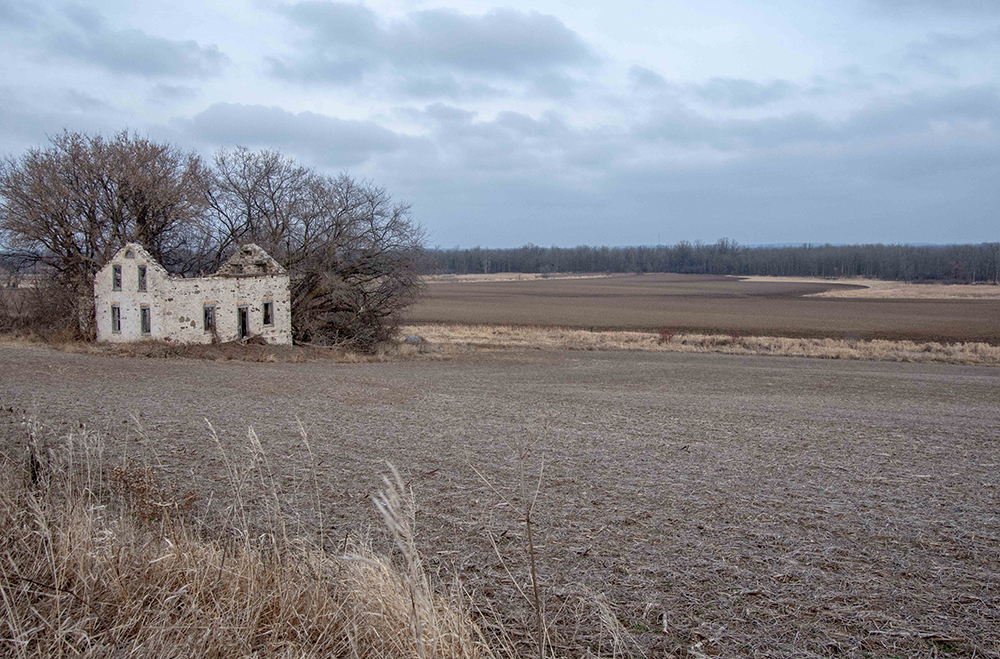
(719, 505)
(707, 304)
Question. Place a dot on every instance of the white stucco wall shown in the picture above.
(130, 299)
(177, 305)
(185, 310)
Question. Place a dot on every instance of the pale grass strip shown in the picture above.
(901, 290)
(513, 276)
(498, 337)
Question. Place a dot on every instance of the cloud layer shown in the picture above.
(83, 34)
(516, 124)
(433, 50)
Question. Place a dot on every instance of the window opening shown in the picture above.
(116, 278)
(209, 323)
(144, 324)
(129, 254)
(268, 313)
(116, 318)
(142, 277)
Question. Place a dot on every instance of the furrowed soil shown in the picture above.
(716, 505)
(709, 304)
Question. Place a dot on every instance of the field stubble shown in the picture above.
(710, 504)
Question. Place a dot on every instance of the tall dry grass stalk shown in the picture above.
(444, 338)
(100, 559)
(525, 506)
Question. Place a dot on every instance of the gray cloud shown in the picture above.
(28, 118)
(910, 8)
(347, 41)
(853, 77)
(132, 51)
(907, 115)
(327, 140)
(900, 193)
(739, 93)
(446, 86)
(503, 41)
(918, 113)
(515, 146)
(932, 53)
(163, 93)
(555, 85)
(878, 196)
(81, 101)
(511, 144)
(338, 68)
(642, 78)
(904, 191)
(447, 115)
(961, 42)
(17, 14)
(907, 161)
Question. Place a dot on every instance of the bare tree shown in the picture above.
(350, 249)
(70, 206)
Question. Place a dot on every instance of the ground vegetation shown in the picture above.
(447, 340)
(102, 557)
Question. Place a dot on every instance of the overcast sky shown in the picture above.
(556, 123)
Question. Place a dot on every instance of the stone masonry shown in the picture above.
(136, 299)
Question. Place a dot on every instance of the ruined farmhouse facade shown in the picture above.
(136, 299)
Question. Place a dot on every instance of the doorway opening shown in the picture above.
(244, 322)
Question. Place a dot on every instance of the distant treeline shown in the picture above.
(949, 263)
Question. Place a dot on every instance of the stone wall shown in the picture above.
(177, 305)
(129, 299)
(185, 311)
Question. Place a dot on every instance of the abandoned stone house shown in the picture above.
(136, 299)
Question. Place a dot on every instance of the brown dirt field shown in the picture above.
(697, 303)
(723, 505)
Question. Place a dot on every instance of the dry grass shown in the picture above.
(251, 352)
(99, 560)
(879, 289)
(511, 276)
(497, 337)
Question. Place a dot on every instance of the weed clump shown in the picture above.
(666, 335)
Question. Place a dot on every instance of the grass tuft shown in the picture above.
(100, 560)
